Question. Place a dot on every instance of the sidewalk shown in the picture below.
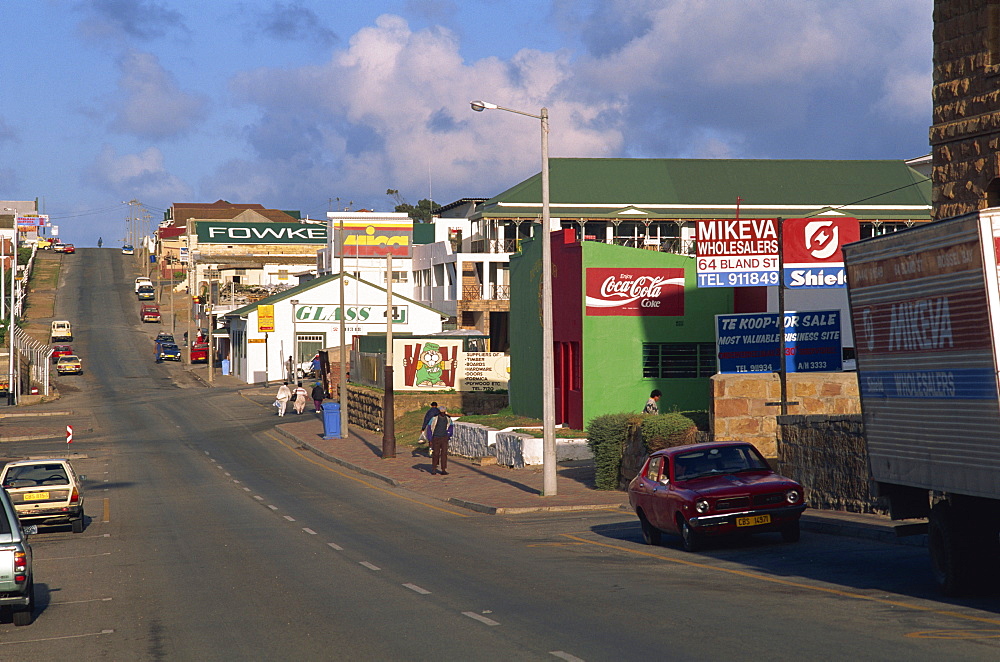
(499, 490)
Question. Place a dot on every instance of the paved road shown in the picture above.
(212, 537)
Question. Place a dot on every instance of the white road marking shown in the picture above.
(335, 546)
(258, 497)
(79, 602)
(417, 589)
(309, 531)
(68, 636)
(272, 507)
(227, 473)
(370, 566)
(478, 617)
(68, 558)
(289, 518)
(246, 489)
(565, 656)
(235, 481)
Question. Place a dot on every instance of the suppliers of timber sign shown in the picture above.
(751, 343)
(215, 232)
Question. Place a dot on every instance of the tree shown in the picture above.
(422, 213)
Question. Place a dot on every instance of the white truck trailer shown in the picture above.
(925, 309)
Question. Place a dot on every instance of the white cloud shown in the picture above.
(151, 105)
(140, 175)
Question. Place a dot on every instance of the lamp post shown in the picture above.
(548, 363)
(293, 369)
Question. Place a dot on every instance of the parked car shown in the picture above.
(70, 363)
(149, 312)
(700, 491)
(45, 492)
(128, 250)
(61, 331)
(145, 293)
(69, 248)
(167, 351)
(142, 280)
(60, 350)
(199, 352)
(58, 247)
(17, 581)
(44, 243)
(163, 336)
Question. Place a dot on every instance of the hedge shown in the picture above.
(621, 442)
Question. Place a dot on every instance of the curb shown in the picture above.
(337, 460)
(878, 532)
(40, 413)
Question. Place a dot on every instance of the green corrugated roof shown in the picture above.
(704, 188)
(305, 287)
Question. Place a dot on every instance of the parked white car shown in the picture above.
(45, 492)
(142, 280)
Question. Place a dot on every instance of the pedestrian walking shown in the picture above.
(425, 434)
(281, 400)
(653, 404)
(442, 430)
(317, 395)
(299, 397)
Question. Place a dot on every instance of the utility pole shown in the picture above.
(389, 402)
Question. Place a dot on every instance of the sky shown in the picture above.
(314, 105)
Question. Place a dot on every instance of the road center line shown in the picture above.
(562, 655)
(786, 582)
(479, 617)
(272, 507)
(309, 531)
(335, 546)
(417, 589)
(258, 497)
(370, 566)
(289, 518)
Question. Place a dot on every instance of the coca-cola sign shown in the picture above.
(635, 292)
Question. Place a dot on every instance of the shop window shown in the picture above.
(678, 360)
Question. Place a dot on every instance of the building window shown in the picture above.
(678, 360)
(397, 277)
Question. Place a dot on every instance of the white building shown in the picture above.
(300, 321)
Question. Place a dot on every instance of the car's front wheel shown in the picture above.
(791, 532)
(690, 539)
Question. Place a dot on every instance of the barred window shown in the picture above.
(678, 360)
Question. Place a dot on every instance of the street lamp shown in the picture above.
(548, 363)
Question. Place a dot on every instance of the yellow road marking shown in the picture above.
(326, 466)
(786, 582)
(955, 634)
(107, 510)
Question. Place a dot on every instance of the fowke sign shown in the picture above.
(260, 233)
(635, 292)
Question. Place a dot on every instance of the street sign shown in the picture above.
(737, 252)
(811, 251)
(751, 343)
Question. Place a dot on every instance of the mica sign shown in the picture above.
(635, 292)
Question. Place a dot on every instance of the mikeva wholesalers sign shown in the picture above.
(635, 292)
(751, 343)
(737, 252)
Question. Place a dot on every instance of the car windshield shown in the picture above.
(711, 461)
(33, 475)
(69, 358)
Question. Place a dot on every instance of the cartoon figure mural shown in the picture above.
(430, 366)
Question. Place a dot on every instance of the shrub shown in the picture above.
(606, 437)
(667, 430)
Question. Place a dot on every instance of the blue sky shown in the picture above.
(292, 104)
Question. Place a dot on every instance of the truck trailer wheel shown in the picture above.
(953, 558)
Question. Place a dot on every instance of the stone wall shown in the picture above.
(365, 404)
(965, 135)
(739, 408)
(829, 456)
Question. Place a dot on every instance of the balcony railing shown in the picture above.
(490, 292)
(494, 246)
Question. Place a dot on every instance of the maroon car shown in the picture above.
(60, 350)
(704, 490)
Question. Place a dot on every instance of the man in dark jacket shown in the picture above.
(317, 396)
(440, 433)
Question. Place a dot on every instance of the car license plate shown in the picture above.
(36, 496)
(756, 520)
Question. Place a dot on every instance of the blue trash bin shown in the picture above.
(331, 420)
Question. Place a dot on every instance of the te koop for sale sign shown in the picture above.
(811, 251)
